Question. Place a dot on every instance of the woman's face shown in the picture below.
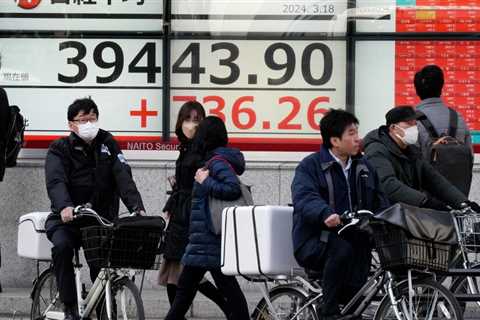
(190, 124)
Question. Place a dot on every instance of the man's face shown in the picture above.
(81, 118)
(400, 127)
(349, 143)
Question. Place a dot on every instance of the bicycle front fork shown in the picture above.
(400, 307)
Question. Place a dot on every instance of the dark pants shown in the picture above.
(188, 286)
(65, 239)
(345, 267)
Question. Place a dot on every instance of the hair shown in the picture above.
(429, 82)
(334, 124)
(211, 134)
(184, 114)
(85, 105)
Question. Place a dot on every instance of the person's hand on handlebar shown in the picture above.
(473, 205)
(333, 221)
(138, 213)
(67, 214)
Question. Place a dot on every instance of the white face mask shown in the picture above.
(88, 131)
(189, 128)
(410, 135)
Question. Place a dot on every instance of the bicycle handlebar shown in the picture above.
(353, 218)
(86, 211)
(466, 209)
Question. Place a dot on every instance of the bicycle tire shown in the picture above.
(283, 294)
(44, 293)
(119, 288)
(421, 310)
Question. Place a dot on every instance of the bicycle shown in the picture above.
(114, 290)
(466, 285)
(416, 297)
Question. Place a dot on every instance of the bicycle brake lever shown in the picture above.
(352, 223)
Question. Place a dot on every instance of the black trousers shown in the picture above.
(188, 286)
(345, 267)
(65, 239)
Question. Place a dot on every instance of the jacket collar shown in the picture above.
(327, 160)
(429, 102)
(78, 142)
(393, 147)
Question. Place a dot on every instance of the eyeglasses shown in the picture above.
(83, 121)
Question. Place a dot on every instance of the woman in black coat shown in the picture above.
(178, 205)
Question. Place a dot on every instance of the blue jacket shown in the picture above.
(311, 201)
(203, 249)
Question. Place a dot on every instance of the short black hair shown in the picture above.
(334, 123)
(429, 82)
(211, 134)
(184, 113)
(85, 105)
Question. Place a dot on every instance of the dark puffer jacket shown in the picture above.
(77, 173)
(203, 249)
(4, 120)
(404, 175)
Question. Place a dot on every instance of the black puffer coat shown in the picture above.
(77, 173)
(404, 175)
(4, 120)
(179, 202)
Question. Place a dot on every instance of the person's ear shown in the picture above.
(335, 141)
(71, 126)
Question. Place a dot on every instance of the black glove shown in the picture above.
(435, 204)
(473, 205)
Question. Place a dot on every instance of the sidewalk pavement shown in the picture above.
(15, 303)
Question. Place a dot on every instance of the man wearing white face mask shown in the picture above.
(404, 176)
(85, 167)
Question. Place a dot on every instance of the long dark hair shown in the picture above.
(183, 115)
(211, 134)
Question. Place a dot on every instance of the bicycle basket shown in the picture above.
(469, 227)
(126, 247)
(399, 251)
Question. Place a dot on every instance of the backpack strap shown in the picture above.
(361, 176)
(428, 125)
(217, 157)
(327, 167)
(453, 118)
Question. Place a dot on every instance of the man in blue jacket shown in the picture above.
(326, 184)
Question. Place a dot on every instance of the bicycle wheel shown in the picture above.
(126, 301)
(460, 285)
(286, 301)
(45, 295)
(430, 301)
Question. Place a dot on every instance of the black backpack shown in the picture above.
(14, 137)
(452, 158)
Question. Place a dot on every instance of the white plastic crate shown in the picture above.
(32, 239)
(257, 241)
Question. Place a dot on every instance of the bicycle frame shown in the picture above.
(102, 283)
(464, 255)
(86, 305)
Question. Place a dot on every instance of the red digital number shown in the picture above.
(313, 111)
(217, 111)
(285, 123)
(237, 110)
